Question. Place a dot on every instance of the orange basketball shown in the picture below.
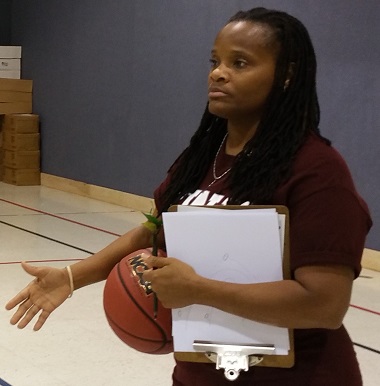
(130, 306)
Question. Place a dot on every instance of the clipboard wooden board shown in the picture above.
(285, 361)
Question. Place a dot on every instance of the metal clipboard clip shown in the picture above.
(234, 358)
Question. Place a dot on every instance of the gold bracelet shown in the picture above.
(68, 269)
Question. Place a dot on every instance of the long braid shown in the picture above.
(192, 165)
(290, 115)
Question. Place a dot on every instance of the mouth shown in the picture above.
(216, 92)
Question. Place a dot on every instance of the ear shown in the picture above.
(289, 75)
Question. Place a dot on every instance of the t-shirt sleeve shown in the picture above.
(329, 227)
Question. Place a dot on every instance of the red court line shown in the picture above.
(365, 309)
(60, 217)
(38, 261)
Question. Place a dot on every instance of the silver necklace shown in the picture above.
(216, 178)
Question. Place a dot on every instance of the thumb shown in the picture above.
(31, 269)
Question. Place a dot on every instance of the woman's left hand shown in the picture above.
(172, 280)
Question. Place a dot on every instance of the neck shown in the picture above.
(238, 136)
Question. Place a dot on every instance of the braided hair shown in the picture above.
(290, 115)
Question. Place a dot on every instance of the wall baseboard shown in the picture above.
(133, 201)
(371, 257)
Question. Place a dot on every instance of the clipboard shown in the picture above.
(265, 360)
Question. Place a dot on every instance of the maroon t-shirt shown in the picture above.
(329, 222)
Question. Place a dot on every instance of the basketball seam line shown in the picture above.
(165, 340)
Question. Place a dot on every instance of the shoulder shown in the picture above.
(319, 166)
(316, 156)
(318, 170)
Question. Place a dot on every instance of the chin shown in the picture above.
(218, 111)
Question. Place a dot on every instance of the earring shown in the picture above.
(286, 85)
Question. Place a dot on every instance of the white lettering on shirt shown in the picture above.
(205, 197)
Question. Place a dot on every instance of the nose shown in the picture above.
(218, 73)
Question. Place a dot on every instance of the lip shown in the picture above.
(216, 92)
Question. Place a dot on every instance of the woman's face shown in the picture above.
(243, 62)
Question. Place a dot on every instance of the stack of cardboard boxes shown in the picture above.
(21, 149)
(19, 133)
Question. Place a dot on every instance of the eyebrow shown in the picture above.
(233, 51)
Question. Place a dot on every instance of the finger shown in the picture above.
(19, 298)
(157, 262)
(21, 311)
(29, 315)
(24, 294)
(147, 275)
(41, 320)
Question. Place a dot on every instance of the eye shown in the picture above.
(240, 63)
(213, 63)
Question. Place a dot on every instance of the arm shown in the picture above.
(98, 266)
(51, 286)
(317, 298)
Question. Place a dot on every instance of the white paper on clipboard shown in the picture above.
(281, 217)
(240, 246)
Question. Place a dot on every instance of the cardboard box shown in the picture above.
(22, 85)
(22, 159)
(16, 142)
(21, 123)
(15, 96)
(10, 64)
(15, 107)
(10, 52)
(10, 74)
(22, 177)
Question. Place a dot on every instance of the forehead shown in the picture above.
(247, 35)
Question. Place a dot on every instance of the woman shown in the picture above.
(258, 143)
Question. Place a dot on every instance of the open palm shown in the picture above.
(49, 289)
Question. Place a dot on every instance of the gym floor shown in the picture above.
(76, 346)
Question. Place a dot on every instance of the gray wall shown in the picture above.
(120, 86)
(5, 22)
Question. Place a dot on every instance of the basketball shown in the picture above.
(132, 311)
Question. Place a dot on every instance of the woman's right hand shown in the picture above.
(49, 289)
